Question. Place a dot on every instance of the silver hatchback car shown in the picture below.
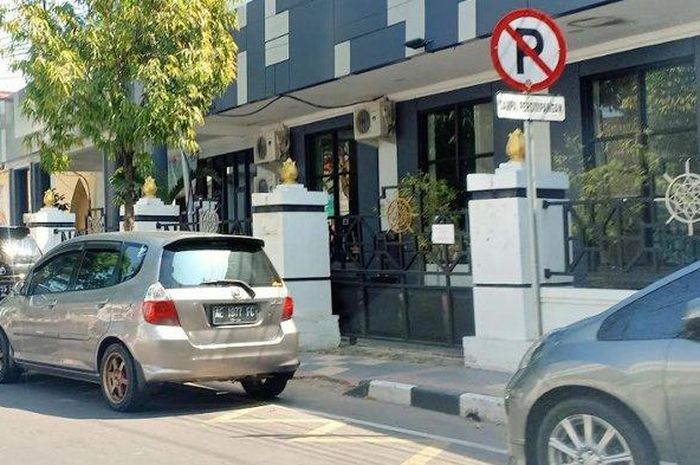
(131, 310)
(621, 388)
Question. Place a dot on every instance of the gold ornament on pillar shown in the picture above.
(49, 198)
(516, 146)
(289, 172)
(149, 188)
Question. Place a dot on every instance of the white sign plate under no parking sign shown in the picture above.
(531, 107)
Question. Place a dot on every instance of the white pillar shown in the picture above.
(148, 212)
(48, 225)
(505, 314)
(292, 222)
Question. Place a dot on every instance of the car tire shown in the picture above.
(9, 371)
(632, 432)
(265, 388)
(121, 384)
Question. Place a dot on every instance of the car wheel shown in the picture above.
(9, 372)
(265, 388)
(122, 388)
(592, 432)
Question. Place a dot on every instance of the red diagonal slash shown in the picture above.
(529, 51)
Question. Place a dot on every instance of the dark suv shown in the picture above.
(18, 253)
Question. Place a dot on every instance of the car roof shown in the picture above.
(158, 238)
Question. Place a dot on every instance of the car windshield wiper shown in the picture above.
(231, 282)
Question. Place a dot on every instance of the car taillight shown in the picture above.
(158, 308)
(288, 309)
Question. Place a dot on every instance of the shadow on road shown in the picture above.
(58, 397)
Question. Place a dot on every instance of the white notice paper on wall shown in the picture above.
(443, 234)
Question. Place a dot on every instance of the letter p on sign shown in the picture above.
(528, 50)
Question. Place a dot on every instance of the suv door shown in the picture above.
(37, 325)
(84, 313)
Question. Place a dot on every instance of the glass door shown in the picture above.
(238, 174)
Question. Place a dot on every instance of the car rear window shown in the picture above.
(193, 263)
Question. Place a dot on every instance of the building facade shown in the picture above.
(307, 66)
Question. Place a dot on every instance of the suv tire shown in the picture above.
(9, 371)
(605, 415)
(122, 387)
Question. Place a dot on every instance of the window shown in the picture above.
(99, 269)
(132, 259)
(334, 170)
(458, 141)
(657, 315)
(55, 275)
(192, 263)
(645, 119)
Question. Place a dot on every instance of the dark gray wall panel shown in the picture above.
(241, 38)
(378, 48)
(256, 53)
(283, 5)
(441, 23)
(367, 179)
(354, 18)
(228, 99)
(558, 7)
(407, 137)
(270, 80)
(282, 77)
(311, 47)
(489, 12)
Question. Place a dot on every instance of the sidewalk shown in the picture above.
(450, 388)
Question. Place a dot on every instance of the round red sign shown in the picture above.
(528, 50)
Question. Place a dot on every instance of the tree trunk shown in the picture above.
(130, 194)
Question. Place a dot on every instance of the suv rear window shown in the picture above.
(193, 263)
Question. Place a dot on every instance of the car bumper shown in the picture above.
(165, 354)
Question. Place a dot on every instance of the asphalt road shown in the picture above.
(47, 421)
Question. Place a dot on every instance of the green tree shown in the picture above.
(122, 74)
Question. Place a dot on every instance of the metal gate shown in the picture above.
(388, 286)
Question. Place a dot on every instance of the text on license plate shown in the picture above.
(234, 314)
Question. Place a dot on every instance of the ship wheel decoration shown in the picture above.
(683, 198)
(399, 214)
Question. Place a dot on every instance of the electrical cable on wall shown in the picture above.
(300, 100)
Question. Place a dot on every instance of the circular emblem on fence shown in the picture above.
(208, 221)
(683, 198)
(400, 215)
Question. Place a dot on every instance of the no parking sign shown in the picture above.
(528, 50)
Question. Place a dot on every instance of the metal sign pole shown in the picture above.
(532, 208)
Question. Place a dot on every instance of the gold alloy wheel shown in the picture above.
(115, 378)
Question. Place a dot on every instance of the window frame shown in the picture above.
(425, 163)
(335, 175)
(642, 133)
(117, 246)
(47, 260)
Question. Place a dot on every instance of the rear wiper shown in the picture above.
(231, 282)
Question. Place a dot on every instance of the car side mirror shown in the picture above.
(20, 287)
(691, 320)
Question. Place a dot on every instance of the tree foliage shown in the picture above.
(121, 74)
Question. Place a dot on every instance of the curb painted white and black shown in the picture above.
(467, 405)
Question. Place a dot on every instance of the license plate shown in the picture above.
(240, 314)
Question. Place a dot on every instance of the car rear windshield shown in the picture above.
(194, 263)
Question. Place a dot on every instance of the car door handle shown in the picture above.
(100, 305)
(52, 304)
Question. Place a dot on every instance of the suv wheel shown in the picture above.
(589, 431)
(121, 387)
(265, 388)
(9, 372)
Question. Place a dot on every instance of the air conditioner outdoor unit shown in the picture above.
(272, 146)
(374, 120)
(265, 180)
